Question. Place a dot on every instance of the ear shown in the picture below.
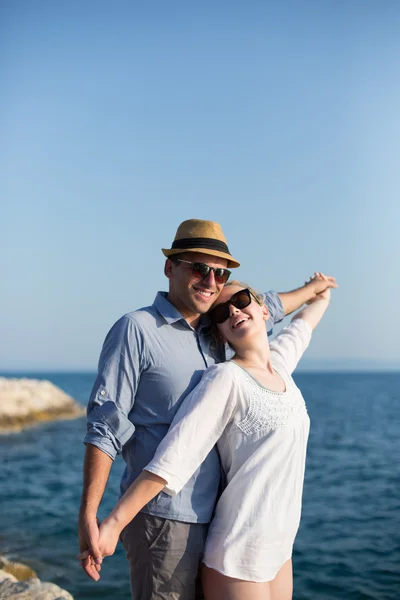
(265, 312)
(168, 268)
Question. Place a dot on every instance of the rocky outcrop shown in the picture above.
(19, 582)
(16, 569)
(25, 402)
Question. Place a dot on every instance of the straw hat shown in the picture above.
(206, 237)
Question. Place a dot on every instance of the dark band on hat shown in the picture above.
(207, 243)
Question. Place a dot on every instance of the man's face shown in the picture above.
(189, 294)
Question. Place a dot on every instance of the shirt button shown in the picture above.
(102, 393)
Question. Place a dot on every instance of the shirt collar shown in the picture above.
(172, 314)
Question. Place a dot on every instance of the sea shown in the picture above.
(348, 545)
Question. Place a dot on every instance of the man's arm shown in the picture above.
(108, 427)
(145, 487)
(293, 300)
(96, 471)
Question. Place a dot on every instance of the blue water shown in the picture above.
(348, 546)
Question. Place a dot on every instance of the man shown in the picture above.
(151, 359)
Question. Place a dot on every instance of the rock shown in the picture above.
(19, 582)
(16, 569)
(6, 576)
(25, 402)
(31, 589)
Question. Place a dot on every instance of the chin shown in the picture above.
(202, 310)
(240, 335)
(202, 307)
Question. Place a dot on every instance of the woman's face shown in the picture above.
(241, 323)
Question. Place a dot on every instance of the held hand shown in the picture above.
(108, 539)
(326, 295)
(321, 285)
(88, 532)
(109, 536)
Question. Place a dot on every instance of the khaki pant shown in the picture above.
(164, 558)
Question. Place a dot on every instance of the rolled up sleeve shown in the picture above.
(276, 312)
(113, 393)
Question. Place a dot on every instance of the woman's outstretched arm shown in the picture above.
(195, 430)
(314, 312)
(291, 343)
(140, 492)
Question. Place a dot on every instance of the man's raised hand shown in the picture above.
(319, 282)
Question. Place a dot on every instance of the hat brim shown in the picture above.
(232, 263)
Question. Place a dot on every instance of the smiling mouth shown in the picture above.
(206, 295)
(238, 323)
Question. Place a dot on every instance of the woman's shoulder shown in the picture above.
(217, 380)
(219, 369)
(222, 372)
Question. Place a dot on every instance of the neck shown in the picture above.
(192, 320)
(255, 354)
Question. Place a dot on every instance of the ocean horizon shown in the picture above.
(348, 545)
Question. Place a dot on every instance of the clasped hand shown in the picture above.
(91, 558)
(322, 285)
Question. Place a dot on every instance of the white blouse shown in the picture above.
(262, 438)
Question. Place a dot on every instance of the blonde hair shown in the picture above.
(260, 297)
(216, 339)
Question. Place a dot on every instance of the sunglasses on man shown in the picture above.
(201, 271)
(240, 300)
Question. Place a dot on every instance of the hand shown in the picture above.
(321, 285)
(88, 533)
(109, 536)
(108, 539)
(325, 295)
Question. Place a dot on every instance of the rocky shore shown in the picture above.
(20, 582)
(26, 402)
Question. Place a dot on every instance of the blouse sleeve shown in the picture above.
(291, 343)
(196, 428)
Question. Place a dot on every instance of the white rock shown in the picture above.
(24, 402)
(29, 589)
(4, 576)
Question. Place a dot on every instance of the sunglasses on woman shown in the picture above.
(201, 271)
(240, 300)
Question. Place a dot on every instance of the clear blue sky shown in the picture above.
(118, 120)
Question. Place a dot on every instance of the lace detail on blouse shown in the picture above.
(270, 410)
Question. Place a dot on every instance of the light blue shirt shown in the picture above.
(150, 361)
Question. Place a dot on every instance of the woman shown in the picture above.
(251, 407)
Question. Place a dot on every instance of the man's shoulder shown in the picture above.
(141, 318)
(141, 314)
(134, 327)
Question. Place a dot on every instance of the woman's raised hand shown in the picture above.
(318, 304)
(322, 286)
